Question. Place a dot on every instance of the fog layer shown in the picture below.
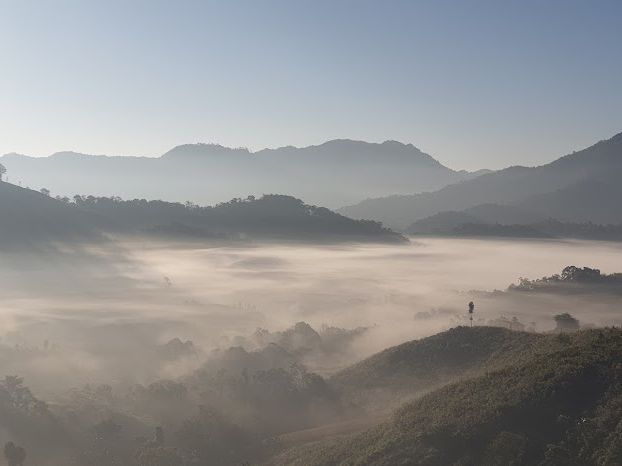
(106, 310)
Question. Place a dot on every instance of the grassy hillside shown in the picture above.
(559, 404)
(420, 365)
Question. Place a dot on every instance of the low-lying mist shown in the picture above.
(237, 342)
(100, 314)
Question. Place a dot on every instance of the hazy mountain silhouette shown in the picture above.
(580, 187)
(461, 224)
(446, 222)
(332, 174)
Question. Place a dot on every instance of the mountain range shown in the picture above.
(577, 189)
(580, 187)
(333, 174)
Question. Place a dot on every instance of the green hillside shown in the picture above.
(560, 404)
(419, 365)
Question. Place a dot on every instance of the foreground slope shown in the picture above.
(420, 365)
(561, 404)
(583, 186)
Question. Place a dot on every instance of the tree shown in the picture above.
(2, 171)
(566, 323)
(577, 274)
(14, 455)
(471, 310)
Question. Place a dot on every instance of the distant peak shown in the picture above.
(357, 142)
(204, 149)
(617, 138)
(393, 142)
(69, 153)
(604, 151)
(339, 142)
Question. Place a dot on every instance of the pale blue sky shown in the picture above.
(474, 83)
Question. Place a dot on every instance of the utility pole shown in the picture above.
(471, 309)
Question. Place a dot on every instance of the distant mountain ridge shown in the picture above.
(580, 187)
(332, 174)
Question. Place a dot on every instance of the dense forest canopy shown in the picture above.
(579, 279)
(30, 216)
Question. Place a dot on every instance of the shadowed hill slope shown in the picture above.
(27, 216)
(579, 187)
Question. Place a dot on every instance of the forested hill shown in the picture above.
(270, 216)
(29, 216)
(459, 224)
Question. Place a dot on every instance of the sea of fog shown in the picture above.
(104, 308)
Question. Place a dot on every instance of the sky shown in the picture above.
(476, 84)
